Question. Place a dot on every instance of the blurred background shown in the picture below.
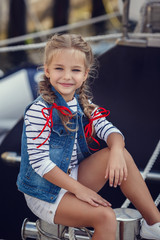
(19, 18)
(127, 46)
(29, 16)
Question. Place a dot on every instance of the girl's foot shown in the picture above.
(150, 231)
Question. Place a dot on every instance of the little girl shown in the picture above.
(61, 172)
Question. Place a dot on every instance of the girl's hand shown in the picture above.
(61, 179)
(116, 170)
(87, 195)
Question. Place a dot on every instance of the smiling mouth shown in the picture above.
(66, 84)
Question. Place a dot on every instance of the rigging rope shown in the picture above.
(59, 29)
(157, 201)
(109, 37)
(41, 45)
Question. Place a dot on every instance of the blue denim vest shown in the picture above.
(61, 146)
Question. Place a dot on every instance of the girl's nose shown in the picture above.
(67, 75)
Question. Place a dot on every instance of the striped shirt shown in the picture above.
(39, 157)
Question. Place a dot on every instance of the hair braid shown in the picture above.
(46, 90)
(85, 98)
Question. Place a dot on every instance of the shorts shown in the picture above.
(45, 210)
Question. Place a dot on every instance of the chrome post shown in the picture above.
(125, 40)
(128, 227)
(125, 17)
(11, 157)
(29, 230)
(49, 231)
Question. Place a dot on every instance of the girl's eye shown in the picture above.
(76, 70)
(58, 68)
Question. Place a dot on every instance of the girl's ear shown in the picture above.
(46, 71)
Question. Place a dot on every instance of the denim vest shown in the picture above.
(60, 145)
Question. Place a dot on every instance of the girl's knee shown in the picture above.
(109, 217)
(106, 218)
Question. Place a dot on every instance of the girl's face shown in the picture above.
(67, 72)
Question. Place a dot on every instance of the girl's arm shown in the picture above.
(116, 170)
(61, 179)
(39, 158)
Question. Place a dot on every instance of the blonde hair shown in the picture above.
(69, 41)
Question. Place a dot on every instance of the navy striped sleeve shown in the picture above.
(38, 157)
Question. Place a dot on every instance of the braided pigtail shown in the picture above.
(46, 91)
(85, 98)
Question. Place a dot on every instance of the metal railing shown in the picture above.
(128, 39)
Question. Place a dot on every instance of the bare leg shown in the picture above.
(137, 192)
(102, 219)
(135, 189)
(74, 212)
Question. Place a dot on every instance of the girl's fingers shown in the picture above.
(125, 174)
(93, 203)
(111, 178)
(107, 174)
(98, 200)
(104, 202)
(116, 177)
(121, 176)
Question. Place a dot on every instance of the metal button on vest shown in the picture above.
(61, 131)
(69, 171)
